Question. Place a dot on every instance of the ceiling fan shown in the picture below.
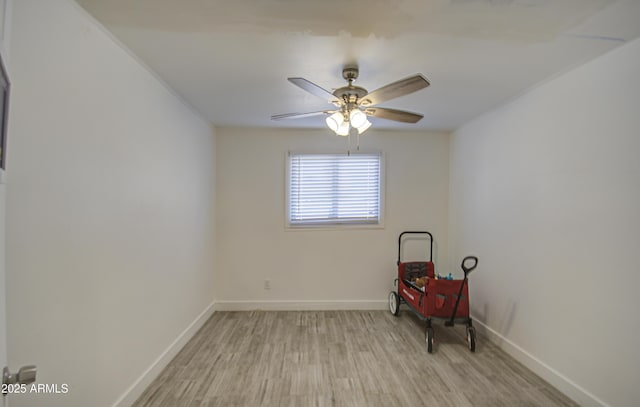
(354, 103)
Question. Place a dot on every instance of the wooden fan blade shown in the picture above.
(393, 114)
(313, 89)
(299, 115)
(395, 89)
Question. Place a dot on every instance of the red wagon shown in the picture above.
(431, 296)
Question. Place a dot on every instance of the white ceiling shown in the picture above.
(231, 59)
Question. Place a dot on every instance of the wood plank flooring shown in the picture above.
(340, 358)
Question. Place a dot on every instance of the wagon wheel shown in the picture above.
(394, 303)
(471, 338)
(428, 336)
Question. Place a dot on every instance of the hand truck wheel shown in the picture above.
(394, 303)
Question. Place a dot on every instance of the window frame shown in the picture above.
(334, 225)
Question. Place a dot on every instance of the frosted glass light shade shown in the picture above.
(334, 121)
(357, 118)
(364, 126)
(343, 129)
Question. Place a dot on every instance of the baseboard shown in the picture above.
(556, 379)
(300, 305)
(139, 386)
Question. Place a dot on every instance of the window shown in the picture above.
(334, 189)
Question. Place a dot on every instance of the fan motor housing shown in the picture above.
(350, 94)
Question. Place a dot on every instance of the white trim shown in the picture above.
(293, 305)
(149, 375)
(555, 378)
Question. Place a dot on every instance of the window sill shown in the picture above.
(334, 227)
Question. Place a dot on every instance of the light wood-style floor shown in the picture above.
(340, 358)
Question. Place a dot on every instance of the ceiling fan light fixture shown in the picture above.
(364, 126)
(357, 118)
(335, 121)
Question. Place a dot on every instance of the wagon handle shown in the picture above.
(418, 233)
(466, 269)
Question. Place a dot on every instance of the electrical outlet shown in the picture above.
(267, 284)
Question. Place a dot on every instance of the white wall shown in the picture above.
(319, 269)
(109, 210)
(546, 191)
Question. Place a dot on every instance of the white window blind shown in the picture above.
(332, 189)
